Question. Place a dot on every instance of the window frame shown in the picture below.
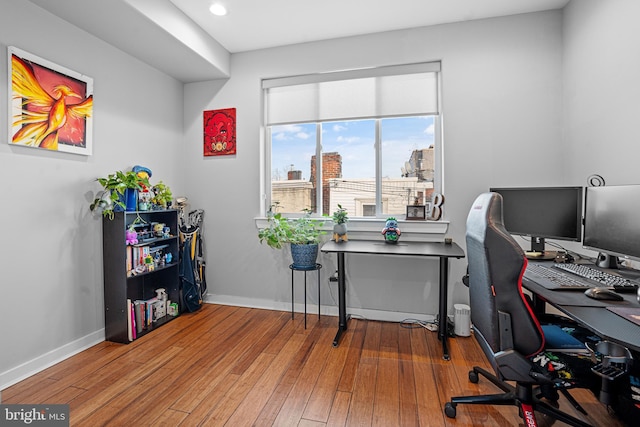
(266, 146)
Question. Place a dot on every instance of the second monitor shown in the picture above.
(542, 213)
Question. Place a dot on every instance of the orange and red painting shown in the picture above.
(220, 132)
(51, 107)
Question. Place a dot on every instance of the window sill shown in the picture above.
(368, 229)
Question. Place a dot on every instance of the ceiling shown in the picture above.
(181, 37)
(257, 24)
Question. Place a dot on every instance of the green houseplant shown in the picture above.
(340, 218)
(162, 196)
(119, 188)
(303, 234)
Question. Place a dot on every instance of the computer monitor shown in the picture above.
(542, 213)
(612, 223)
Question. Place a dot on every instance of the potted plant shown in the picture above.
(303, 235)
(340, 218)
(119, 192)
(162, 196)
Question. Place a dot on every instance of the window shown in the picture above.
(367, 140)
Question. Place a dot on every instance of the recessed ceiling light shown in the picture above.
(218, 9)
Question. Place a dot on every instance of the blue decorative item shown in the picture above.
(131, 199)
(305, 255)
(142, 171)
(391, 232)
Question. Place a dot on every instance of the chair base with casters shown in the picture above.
(520, 395)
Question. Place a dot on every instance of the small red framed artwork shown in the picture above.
(219, 132)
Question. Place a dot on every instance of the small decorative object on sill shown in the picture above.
(391, 232)
(436, 208)
(340, 219)
(416, 212)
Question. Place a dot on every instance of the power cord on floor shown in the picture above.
(414, 323)
(406, 323)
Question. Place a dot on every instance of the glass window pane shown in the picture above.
(348, 166)
(293, 147)
(408, 161)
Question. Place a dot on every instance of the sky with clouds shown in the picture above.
(293, 145)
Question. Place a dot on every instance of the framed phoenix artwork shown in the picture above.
(219, 132)
(50, 106)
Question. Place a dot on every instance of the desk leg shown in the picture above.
(318, 295)
(539, 305)
(443, 318)
(342, 299)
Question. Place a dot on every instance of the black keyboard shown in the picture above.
(618, 283)
(553, 278)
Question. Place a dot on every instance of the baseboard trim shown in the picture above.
(40, 363)
(327, 310)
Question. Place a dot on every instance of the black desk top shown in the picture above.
(593, 314)
(576, 297)
(607, 325)
(434, 249)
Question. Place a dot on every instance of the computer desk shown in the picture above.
(590, 313)
(441, 250)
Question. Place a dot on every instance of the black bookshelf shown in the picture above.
(124, 283)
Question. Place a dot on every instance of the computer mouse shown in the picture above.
(603, 294)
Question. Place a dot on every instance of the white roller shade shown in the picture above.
(380, 92)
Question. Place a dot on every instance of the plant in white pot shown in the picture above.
(303, 234)
(340, 218)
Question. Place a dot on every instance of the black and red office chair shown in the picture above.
(503, 322)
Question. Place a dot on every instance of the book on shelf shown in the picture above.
(143, 315)
(129, 260)
(129, 329)
(132, 315)
(139, 310)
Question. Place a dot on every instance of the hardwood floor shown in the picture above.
(240, 367)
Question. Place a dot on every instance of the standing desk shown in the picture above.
(441, 250)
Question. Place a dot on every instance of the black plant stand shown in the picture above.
(317, 268)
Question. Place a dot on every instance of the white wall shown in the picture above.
(51, 253)
(502, 125)
(601, 90)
